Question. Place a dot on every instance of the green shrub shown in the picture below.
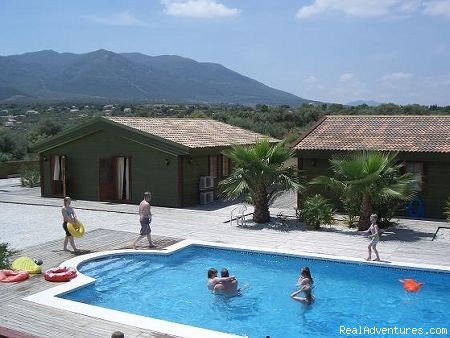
(5, 255)
(351, 204)
(316, 211)
(386, 212)
(447, 209)
(30, 177)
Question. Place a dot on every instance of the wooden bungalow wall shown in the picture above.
(436, 185)
(151, 169)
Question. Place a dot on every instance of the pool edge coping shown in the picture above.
(49, 297)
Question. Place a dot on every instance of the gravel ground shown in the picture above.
(443, 235)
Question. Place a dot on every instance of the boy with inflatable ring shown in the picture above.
(69, 216)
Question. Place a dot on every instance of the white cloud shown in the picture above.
(357, 8)
(311, 80)
(375, 8)
(410, 6)
(346, 77)
(396, 76)
(400, 88)
(438, 8)
(349, 92)
(119, 19)
(198, 9)
(414, 89)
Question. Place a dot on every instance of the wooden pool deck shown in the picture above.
(23, 319)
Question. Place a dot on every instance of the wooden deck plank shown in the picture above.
(20, 318)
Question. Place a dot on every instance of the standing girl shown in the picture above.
(305, 285)
(69, 216)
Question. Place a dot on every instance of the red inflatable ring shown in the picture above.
(61, 274)
(411, 285)
(10, 276)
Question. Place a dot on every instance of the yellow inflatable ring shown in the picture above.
(25, 264)
(76, 232)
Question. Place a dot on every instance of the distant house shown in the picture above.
(423, 144)
(118, 158)
(127, 110)
(74, 110)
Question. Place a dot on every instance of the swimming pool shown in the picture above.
(350, 295)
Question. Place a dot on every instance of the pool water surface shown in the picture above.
(173, 288)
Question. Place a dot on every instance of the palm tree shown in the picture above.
(260, 173)
(371, 177)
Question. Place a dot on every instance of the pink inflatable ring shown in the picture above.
(60, 274)
(10, 276)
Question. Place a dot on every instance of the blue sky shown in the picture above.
(328, 50)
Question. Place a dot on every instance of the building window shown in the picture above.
(219, 166)
(213, 166)
(225, 166)
(416, 168)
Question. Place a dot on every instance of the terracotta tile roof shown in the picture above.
(192, 133)
(389, 133)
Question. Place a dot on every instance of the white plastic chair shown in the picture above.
(238, 214)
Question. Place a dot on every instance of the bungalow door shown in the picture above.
(114, 179)
(123, 178)
(106, 180)
(58, 175)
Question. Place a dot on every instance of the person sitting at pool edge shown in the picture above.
(304, 284)
(216, 284)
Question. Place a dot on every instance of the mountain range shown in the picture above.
(107, 76)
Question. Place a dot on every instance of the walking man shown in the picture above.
(145, 217)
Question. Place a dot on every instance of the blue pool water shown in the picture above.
(173, 288)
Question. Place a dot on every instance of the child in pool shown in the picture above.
(304, 284)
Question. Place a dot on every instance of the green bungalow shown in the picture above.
(422, 143)
(119, 158)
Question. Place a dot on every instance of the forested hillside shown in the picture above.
(102, 75)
